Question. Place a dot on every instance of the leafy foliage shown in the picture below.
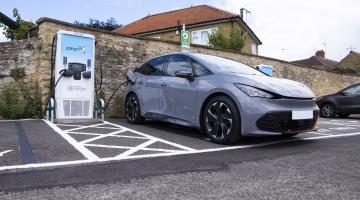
(110, 24)
(22, 29)
(358, 68)
(20, 99)
(233, 41)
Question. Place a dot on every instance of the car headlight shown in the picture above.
(253, 92)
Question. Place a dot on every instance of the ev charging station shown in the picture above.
(74, 76)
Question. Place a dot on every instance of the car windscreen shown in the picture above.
(222, 65)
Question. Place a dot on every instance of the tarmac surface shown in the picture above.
(114, 159)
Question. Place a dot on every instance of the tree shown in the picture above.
(110, 24)
(21, 29)
(234, 41)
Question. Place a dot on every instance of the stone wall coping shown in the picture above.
(46, 19)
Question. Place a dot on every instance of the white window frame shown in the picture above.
(198, 35)
(156, 37)
(254, 48)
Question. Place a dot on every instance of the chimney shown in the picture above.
(320, 53)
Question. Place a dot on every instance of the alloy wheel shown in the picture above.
(328, 110)
(132, 108)
(218, 120)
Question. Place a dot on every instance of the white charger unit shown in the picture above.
(74, 96)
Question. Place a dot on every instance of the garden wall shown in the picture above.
(117, 53)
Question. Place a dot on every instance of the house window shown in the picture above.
(156, 37)
(254, 48)
(202, 36)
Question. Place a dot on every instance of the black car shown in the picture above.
(342, 103)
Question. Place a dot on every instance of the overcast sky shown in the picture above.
(289, 30)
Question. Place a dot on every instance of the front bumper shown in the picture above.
(282, 122)
(261, 116)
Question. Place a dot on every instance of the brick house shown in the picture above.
(318, 61)
(350, 64)
(201, 21)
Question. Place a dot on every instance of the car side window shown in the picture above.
(199, 69)
(176, 63)
(155, 66)
(143, 69)
(352, 90)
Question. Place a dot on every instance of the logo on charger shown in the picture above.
(81, 49)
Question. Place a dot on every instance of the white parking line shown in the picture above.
(101, 136)
(148, 139)
(5, 152)
(152, 137)
(98, 134)
(78, 162)
(84, 151)
(340, 124)
(122, 147)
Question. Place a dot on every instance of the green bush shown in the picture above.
(20, 99)
(19, 33)
(233, 41)
(118, 112)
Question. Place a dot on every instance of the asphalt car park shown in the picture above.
(28, 147)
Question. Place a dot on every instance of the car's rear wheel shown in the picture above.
(221, 120)
(328, 110)
(133, 110)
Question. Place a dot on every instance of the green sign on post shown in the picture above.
(185, 39)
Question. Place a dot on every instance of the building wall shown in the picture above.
(225, 26)
(117, 54)
(19, 54)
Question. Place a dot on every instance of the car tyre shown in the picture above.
(328, 110)
(221, 120)
(133, 110)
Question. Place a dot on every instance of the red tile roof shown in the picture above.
(172, 19)
(316, 61)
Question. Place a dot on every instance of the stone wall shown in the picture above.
(117, 53)
(19, 54)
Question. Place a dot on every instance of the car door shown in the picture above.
(349, 100)
(178, 95)
(148, 86)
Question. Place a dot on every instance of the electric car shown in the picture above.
(342, 103)
(225, 98)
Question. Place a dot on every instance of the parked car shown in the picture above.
(342, 103)
(225, 98)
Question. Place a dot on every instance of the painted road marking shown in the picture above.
(83, 145)
(83, 150)
(79, 162)
(5, 152)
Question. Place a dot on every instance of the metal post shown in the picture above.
(102, 109)
(52, 110)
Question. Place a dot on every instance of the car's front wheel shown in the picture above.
(221, 120)
(132, 109)
(328, 110)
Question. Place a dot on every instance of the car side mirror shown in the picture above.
(185, 74)
(131, 77)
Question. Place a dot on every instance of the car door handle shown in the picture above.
(163, 84)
